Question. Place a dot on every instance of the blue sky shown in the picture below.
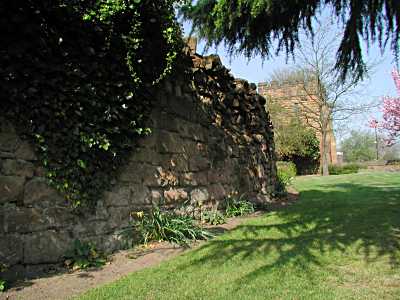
(256, 70)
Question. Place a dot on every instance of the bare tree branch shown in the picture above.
(321, 95)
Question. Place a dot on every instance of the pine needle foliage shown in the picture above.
(252, 27)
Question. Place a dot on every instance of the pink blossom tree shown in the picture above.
(391, 113)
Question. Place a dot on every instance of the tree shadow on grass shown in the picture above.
(349, 218)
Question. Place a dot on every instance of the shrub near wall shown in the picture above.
(344, 169)
(295, 143)
(286, 172)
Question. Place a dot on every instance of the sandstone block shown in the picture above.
(119, 217)
(188, 179)
(100, 212)
(149, 156)
(182, 107)
(198, 163)
(7, 154)
(179, 163)
(170, 142)
(201, 178)
(190, 148)
(11, 249)
(8, 137)
(221, 175)
(17, 167)
(217, 191)
(25, 151)
(3, 212)
(199, 196)
(193, 131)
(135, 172)
(193, 179)
(25, 220)
(168, 86)
(37, 191)
(162, 99)
(168, 122)
(40, 172)
(178, 91)
(235, 102)
(119, 196)
(211, 62)
(156, 197)
(140, 194)
(174, 195)
(259, 138)
(191, 45)
(150, 142)
(46, 247)
(213, 176)
(113, 242)
(166, 177)
(11, 188)
(245, 181)
(84, 229)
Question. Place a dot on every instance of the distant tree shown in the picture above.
(359, 146)
(253, 26)
(321, 98)
(391, 113)
(392, 152)
(374, 125)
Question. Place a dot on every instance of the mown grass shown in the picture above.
(340, 241)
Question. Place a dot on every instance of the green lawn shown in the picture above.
(340, 241)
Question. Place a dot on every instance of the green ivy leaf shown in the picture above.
(81, 163)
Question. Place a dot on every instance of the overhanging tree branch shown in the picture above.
(253, 27)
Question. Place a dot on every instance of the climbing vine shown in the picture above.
(77, 77)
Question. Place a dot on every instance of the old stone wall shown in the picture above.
(211, 137)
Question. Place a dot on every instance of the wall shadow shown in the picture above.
(350, 217)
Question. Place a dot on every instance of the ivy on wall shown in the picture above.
(76, 78)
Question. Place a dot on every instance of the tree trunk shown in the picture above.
(324, 162)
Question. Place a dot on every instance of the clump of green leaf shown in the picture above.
(3, 283)
(158, 225)
(286, 172)
(238, 207)
(76, 81)
(84, 255)
(213, 217)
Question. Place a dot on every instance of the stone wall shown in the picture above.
(211, 137)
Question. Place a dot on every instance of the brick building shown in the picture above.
(295, 102)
